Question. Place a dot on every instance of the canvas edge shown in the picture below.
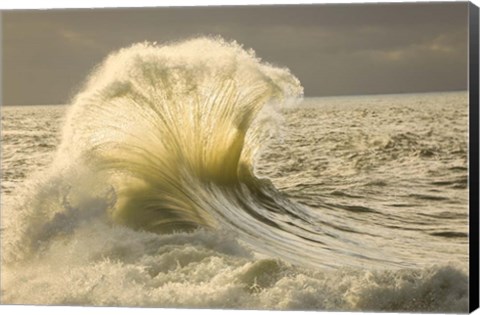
(473, 158)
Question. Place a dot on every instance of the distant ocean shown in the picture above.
(194, 175)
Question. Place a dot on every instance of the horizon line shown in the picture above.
(305, 96)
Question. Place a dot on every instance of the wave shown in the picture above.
(164, 139)
(156, 173)
(170, 121)
(172, 131)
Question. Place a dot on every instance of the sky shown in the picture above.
(334, 49)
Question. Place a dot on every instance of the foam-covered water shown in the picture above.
(189, 175)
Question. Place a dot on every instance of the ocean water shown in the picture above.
(196, 175)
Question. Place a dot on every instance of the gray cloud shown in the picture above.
(332, 49)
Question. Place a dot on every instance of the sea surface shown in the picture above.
(334, 203)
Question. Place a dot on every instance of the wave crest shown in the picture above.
(164, 120)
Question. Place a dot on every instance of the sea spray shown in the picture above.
(165, 120)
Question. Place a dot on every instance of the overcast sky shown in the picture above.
(347, 49)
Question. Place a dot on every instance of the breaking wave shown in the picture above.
(163, 139)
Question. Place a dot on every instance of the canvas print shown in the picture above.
(291, 157)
